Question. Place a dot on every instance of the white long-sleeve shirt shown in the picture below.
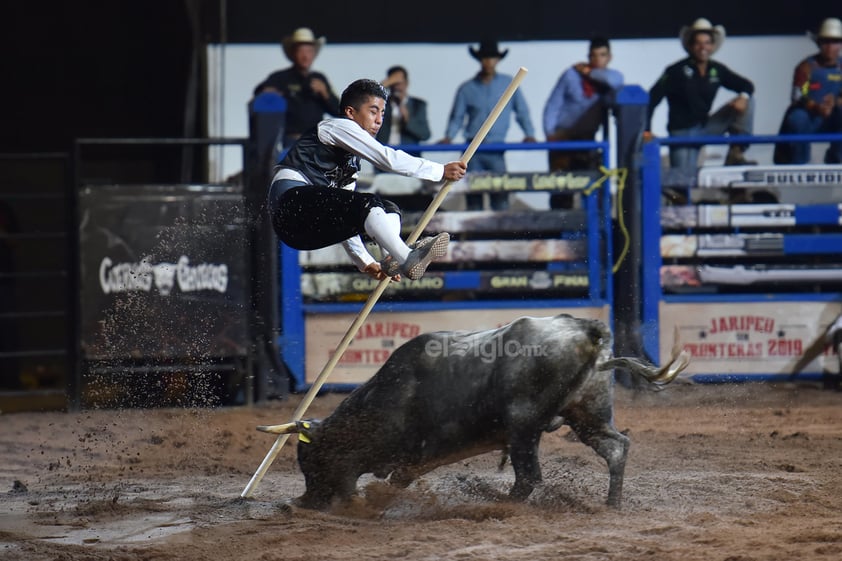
(350, 136)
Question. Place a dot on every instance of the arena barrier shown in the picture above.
(747, 268)
(500, 265)
(164, 288)
(745, 261)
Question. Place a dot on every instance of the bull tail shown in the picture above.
(304, 429)
(679, 359)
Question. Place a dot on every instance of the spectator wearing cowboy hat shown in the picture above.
(473, 103)
(308, 94)
(815, 106)
(690, 86)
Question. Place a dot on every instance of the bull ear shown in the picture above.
(307, 429)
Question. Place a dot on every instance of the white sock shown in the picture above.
(385, 228)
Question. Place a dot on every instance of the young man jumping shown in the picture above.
(313, 200)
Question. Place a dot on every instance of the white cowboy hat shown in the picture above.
(831, 29)
(702, 24)
(301, 35)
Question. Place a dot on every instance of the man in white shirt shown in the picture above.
(313, 200)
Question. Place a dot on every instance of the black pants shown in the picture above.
(309, 217)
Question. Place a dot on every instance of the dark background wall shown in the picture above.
(124, 69)
(374, 21)
(93, 69)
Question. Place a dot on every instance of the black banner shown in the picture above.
(162, 272)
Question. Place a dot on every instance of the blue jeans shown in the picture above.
(487, 161)
(797, 120)
(726, 119)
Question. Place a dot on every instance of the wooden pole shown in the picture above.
(381, 286)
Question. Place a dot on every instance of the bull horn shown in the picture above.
(679, 360)
(286, 428)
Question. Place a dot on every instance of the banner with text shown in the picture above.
(748, 337)
(382, 333)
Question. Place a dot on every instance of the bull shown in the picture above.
(449, 395)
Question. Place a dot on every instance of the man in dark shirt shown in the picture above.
(690, 86)
(308, 94)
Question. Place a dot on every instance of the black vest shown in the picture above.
(322, 164)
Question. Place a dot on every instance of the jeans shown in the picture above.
(487, 161)
(797, 120)
(726, 119)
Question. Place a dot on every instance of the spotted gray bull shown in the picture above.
(449, 395)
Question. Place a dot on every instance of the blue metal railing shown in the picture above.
(746, 139)
(653, 295)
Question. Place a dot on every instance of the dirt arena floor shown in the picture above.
(745, 472)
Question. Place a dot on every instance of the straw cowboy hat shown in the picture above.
(702, 24)
(831, 29)
(487, 49)
(301, 35)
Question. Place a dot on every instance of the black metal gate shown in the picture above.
(164, 287)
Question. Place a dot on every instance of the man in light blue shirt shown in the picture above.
(576, 106)
(576, 109)
(474, 101)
